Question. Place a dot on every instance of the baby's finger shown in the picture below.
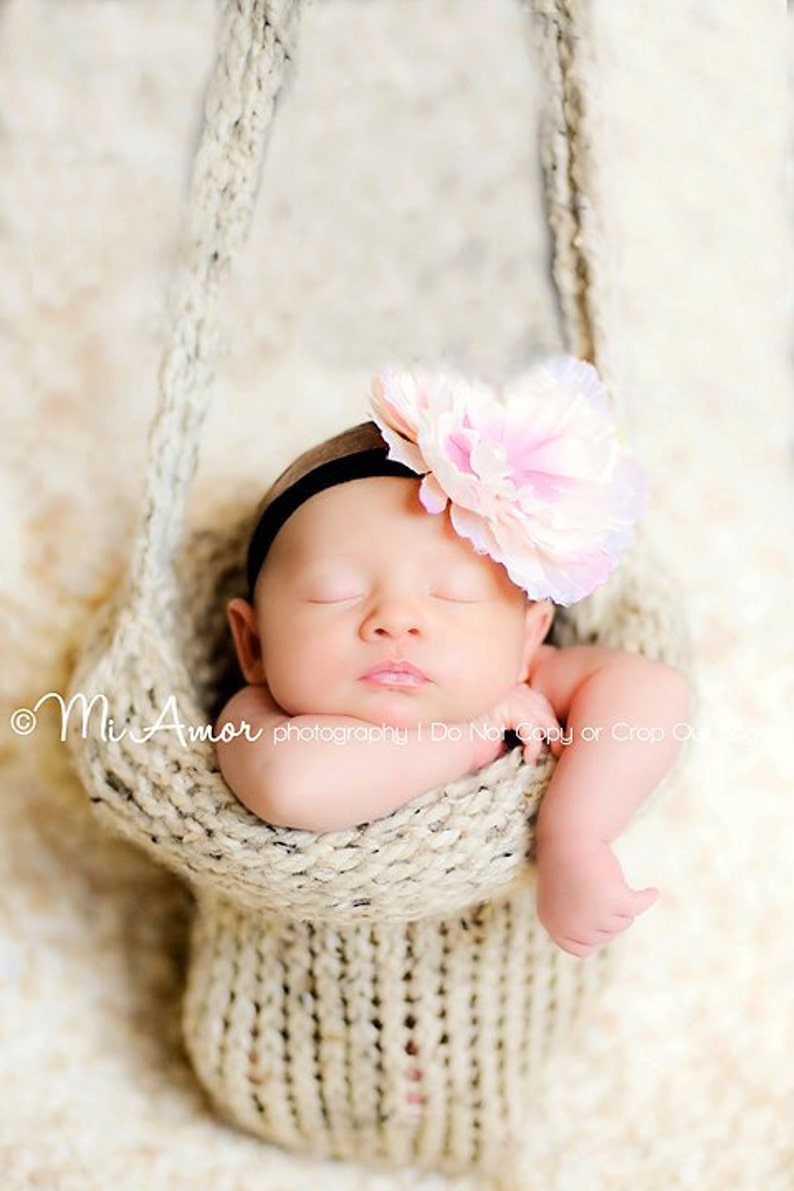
(643, 899)
(551, 728)
(531, 752)
(618, 924)
(603, 936)
(576, 947)
(547, 730)
(533, 745)
(555, 744)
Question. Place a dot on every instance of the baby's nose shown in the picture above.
(394, 618)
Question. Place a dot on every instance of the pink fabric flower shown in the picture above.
(536, 476)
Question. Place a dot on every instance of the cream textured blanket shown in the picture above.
(399, 212)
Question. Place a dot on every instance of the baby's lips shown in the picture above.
(395, 668)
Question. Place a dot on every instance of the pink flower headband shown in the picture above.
(536, 476)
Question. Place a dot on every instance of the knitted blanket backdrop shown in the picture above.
(400, 212)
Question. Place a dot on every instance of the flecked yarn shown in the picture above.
(327, 969)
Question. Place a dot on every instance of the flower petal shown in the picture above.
(432, 495)
(537, 475)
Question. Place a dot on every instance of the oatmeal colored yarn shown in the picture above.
(325, 967)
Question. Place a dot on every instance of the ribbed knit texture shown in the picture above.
(326, 969)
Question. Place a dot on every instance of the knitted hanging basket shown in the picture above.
(325, 966)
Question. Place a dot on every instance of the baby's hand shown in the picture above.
(583, 898)
(532, 715)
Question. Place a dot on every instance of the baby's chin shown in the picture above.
(398, 711)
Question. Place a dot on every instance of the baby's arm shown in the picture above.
(583, 898)
(321, 785)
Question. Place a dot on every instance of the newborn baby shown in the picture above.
(370, 605)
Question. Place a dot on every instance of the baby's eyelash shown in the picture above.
(333, 599)
(456, 599)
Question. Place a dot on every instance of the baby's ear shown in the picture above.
(539, 615)
(546, 616)
(247, 643)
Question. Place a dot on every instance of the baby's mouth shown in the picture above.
(401, 674)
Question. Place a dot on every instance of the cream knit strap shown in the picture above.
(571, 147)
(256, 50)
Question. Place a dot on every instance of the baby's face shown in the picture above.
(360, 580)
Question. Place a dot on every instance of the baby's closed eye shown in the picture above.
(339, 594)
(460, 589)
(347, 594)
(343, 586)
(336, 585)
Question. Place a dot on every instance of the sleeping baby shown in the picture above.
(402, 582)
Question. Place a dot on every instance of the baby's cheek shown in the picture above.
(309, 673)
(324, 655)
(490, 667)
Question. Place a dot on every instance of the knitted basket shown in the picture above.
(324, 967)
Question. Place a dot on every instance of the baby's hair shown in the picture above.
(362, 437)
